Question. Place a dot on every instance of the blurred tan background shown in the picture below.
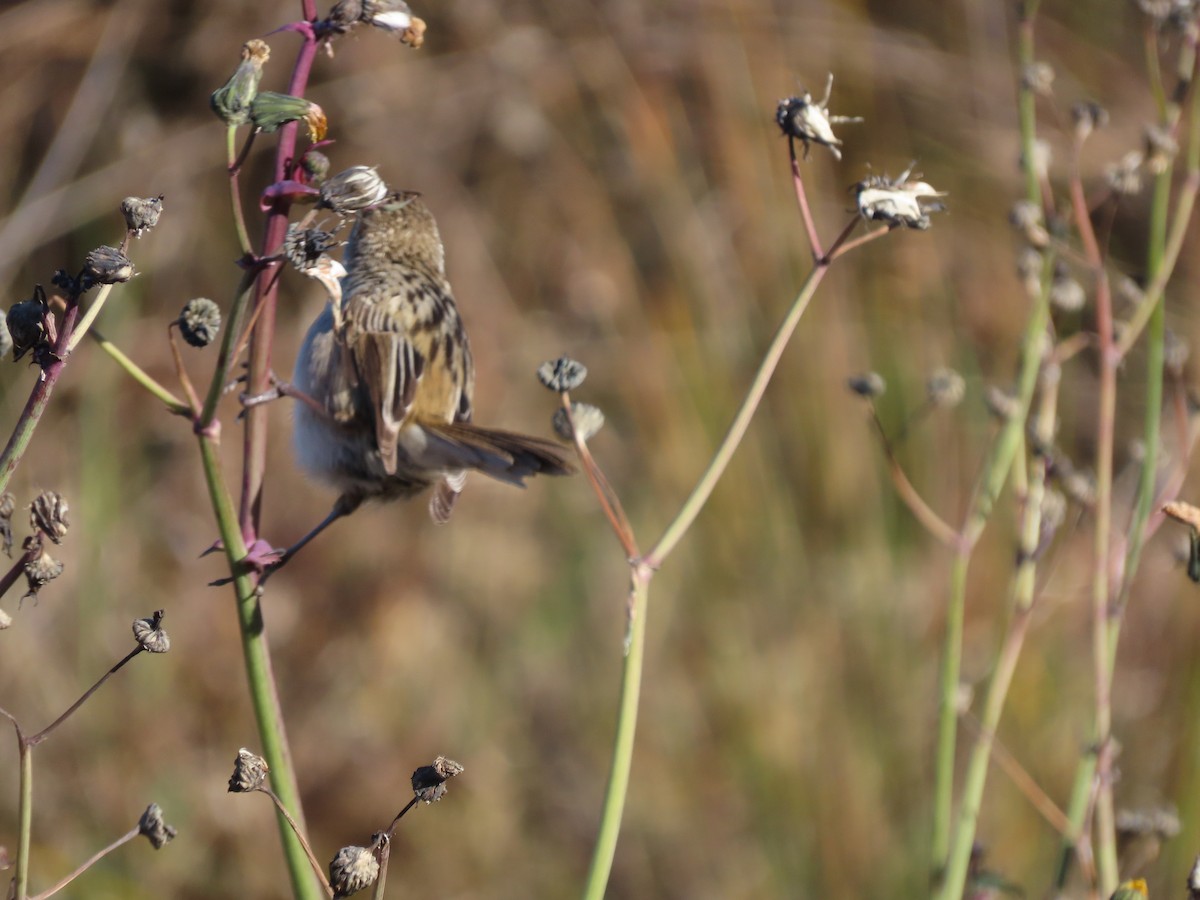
(610, 184)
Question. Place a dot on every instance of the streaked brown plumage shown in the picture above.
(390, 371)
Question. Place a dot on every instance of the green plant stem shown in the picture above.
(737, 430)
(975, 778)
(263, 695)
(622, 759)
(24, 817)
(86, 320)
(95, 858)
(140, 375)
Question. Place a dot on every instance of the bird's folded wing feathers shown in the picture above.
(390, 368)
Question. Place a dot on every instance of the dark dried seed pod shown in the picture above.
(141, 213)
(868, 384)
(249, 772)
(199, 321)
(353, 189)
(48, 514)
(27, 323)
(152, 826)
(304, 246)
(562, 374)
(429, 782)
(106, 265)
(40, 569)
(353, 869)
(945, 388)
(150, 635)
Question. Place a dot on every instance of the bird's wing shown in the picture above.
(389, 368)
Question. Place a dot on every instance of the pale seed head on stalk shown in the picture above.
(808, 121)
(868, 384)
(352, 870)
(141, 213)
(249, 772)
(149, 634)
(898, 201)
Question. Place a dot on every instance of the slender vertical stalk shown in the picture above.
(24, 818)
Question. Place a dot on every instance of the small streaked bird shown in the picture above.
(385, 378)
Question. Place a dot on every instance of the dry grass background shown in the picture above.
(610, 184)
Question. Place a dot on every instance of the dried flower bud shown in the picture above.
(141, 213)
(150, 635)
(429, 782)
(352, 190)
(315, 165)
(897, 201)
(27, 324)
(1038, 77)
(106, 265)
(805, 120)
(1161, 148)
(40, 569)
(1066, 294)
(353, 869)
(868, 384)
(1125, 175)
(5, 622)
(562, 374)
(1088, 115)
(199, 321)
(8, 505)
(154, 828)
(271, 110)
(48, 514)
(1001, 404)
(249, 772)
(232, 102)
(1026, 217)
(304, 246)
(588, 420)
(945, 388)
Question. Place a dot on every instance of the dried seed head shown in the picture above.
(1066, 294)
(588, 420)
(270, 110)
(5, 620)
(1001, 404)
(48, 514)
(154, 828)
(945, 388)
(8, 505)
(6, 341)
(868, 384)
(40, 569)
(27, 322)
(808, 121)
(562, 374)
(232, 102)
(353, 189)
(141, 213)
(249, 772)
(353, 869)
(897, 201)
(304, 246)
(1038, 77)
(1175, 352)
(106, 265)
(1125, 175)
(199, 321)
(1088, 115)
(149, 634)
(429, 782)
(1159, 822)
(1161, 148)
(1026, 217)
